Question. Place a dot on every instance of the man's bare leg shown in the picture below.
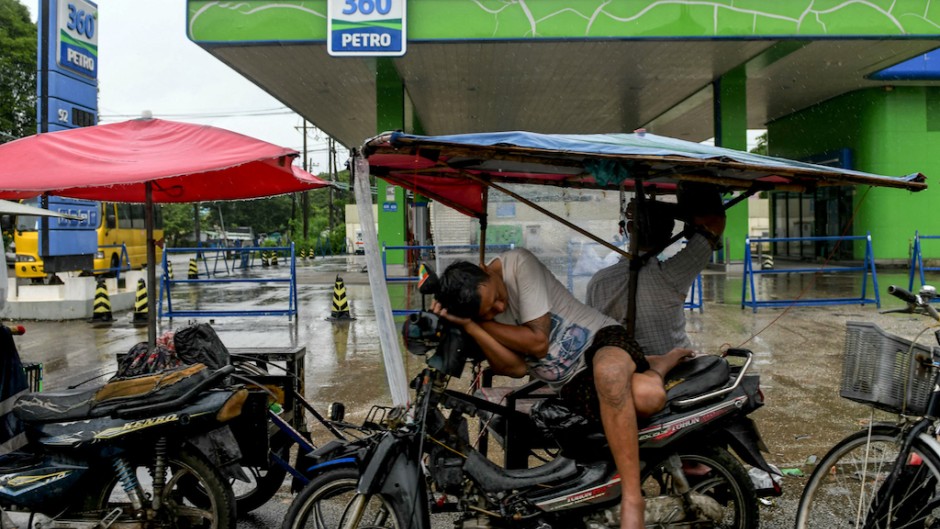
(649, 394)
(663, 364)
(613, 371)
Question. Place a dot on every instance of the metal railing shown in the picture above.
(167, 284)
(867, 267)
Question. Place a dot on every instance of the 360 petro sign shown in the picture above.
(366, 28)
(78, 37)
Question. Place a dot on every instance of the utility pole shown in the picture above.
(196, 222)
(304, 198)
(331, 144)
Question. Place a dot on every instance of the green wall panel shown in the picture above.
(887, 131)
(731, 132)
(390, 103)
(306, 20)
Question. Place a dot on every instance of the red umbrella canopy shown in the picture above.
(184, 162)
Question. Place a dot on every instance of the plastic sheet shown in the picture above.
(388, 337)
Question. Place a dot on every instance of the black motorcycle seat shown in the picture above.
(696, 376)
(72, 405)
(493, 478)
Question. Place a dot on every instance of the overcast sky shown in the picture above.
(146, 62)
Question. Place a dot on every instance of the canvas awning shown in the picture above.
(456, 169)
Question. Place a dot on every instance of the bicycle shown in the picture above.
(887, 475)
(279, 372)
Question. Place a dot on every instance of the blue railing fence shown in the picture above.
(751, 272)
(167, 285)
(917, 260)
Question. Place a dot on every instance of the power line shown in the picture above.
(280, 111)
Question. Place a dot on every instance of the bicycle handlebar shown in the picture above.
(914, 301)
(904, 295)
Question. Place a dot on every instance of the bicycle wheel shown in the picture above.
(846, 482)
(717, 479)
(323, 503)
(263, 483)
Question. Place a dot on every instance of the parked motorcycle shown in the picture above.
(148, 451)
(426, 464)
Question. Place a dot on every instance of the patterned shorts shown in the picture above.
(579, 393)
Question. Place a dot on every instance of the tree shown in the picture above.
(761, 147)
(177, 223)
(18, 36)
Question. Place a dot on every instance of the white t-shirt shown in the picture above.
(534, 291)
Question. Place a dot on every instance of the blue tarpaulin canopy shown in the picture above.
(456, 169)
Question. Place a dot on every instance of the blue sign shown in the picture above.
(76, 236)
(78, 37)
(68, 65)
(390, 207)
(366, 28)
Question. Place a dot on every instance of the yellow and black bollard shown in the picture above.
(101, 311)
(193, 269)
(274, 258)
(169, 269)
(140, 304)
(340, 310)
(264, 258)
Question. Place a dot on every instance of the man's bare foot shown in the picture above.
(631, 514)
(662, 364)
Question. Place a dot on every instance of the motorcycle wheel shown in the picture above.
(263, 482)
(717, 475)
(212, 508)
(848, 479)
(323, 503)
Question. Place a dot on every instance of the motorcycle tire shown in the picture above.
(855, 470)
(264, 482)
(715, 473)
(324, 501)
(196, 495)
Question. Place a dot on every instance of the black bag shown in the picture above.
(199, 344)
(140, 360)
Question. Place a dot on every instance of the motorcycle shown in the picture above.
(149, 451)
(424, 462)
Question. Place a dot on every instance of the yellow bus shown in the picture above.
(118, 224)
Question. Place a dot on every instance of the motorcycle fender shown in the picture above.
(394, 473)
(747, 443)
(221, 449)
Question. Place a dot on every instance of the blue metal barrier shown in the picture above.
(917, 262)
(166, 286)
(124, 261)
(868, 266)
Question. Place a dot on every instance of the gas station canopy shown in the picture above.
(576, 66)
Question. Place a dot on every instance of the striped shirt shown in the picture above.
(662, 290)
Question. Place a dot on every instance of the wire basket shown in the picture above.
(879, 370)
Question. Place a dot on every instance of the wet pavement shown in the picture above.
(798, 352)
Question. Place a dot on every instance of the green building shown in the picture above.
(806, 70)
